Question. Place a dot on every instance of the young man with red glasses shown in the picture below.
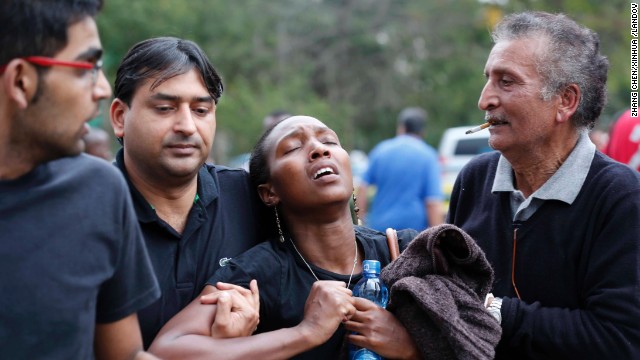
(75, 269)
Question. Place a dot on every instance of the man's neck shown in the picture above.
(15, 161)
(171, 201)
(533, 169)
(10, 170)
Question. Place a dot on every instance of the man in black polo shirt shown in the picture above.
(195, 217)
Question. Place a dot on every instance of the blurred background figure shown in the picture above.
(273, 118)
(359, 164)
(599, 138)
(268, 122)
(624, 140)
(406, 174)
(97, 142)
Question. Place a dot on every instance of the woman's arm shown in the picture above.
(188, 334)
(193, 331)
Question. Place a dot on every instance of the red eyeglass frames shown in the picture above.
(47, 61)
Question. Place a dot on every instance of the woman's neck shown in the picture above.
(328, 245)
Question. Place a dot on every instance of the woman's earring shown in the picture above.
(356, 209)
(278, 223)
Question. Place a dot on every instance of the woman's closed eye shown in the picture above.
(291, 147)
(330, 141)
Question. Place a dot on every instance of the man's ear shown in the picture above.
(569, 101)
(268, 196)
(20, 82)
(117, 113)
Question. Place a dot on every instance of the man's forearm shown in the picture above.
(435, 212)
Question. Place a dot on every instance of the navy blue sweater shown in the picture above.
(577, 267)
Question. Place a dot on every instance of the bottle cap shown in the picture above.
(371, 267)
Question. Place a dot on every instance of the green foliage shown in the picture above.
(351, 63)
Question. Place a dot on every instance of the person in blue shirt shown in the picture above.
(405, 173)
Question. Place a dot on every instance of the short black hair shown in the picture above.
(39, 27)
(161, 59)
(413, 119)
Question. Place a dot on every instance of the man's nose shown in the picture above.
(185, 123)
(102, 89)
(488, 97)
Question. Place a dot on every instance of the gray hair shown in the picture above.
(572, 56)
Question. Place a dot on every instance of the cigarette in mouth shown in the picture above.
(478, 128)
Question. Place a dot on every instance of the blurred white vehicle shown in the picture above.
(456, 149)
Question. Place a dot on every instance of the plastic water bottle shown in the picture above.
(372, 288)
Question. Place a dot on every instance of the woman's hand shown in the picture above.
(378, 330)
(329, 303)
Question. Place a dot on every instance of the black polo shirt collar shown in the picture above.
(207, 192)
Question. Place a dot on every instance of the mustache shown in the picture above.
(175, 139)
(495, 117)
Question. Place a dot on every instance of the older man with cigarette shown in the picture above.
(558, 220)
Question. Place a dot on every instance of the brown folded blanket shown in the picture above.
(437, 290)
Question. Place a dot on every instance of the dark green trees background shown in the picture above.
(354, 64)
